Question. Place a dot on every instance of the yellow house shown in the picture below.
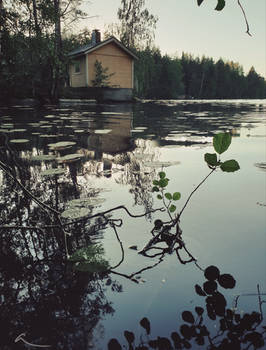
(111, 53)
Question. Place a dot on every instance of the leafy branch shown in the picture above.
(162, 231)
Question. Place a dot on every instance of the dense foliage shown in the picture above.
(33, 55)
(160, 76)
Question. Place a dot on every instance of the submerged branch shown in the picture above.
(109, 211)
(44, 206)
(260, 301)
(131, 276)
(113, 225)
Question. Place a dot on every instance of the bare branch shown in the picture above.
(244, 14)
(20, 337)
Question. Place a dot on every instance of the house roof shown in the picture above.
(83, 50)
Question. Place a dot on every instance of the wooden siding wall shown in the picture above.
(78, 79)
(117, 61)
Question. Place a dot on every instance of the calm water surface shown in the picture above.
(118, 151)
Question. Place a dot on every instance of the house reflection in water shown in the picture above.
(235, 132)
(114, 138)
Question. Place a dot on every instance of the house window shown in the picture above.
(77, 67)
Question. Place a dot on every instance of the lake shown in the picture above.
(77, 208)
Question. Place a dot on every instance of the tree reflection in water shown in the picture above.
(44, 301)
(41, 295)
(45, 298)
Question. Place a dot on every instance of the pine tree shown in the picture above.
(101, 75)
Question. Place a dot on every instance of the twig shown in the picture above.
(65, 236)
(20, 337)
(245, 17)
(112, 224)
(260, 302)
(110, 210)
(148, 267)
(248, 295)
(191, 194)
(131, 277)
(124, 275)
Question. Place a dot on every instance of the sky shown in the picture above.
(185, 27)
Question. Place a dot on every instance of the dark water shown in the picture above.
(117, 151)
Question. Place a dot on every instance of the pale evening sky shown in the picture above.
(183, 26)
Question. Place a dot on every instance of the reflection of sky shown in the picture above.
(223, 225)
(184, 27)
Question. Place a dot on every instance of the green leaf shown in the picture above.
(221, 142)
(155, 189)
(200, 2)
(163, 182)
(155, 182)
(176, 196)
(159, 196)
(162, 174)
(172, 208)
(230, 166)
(220, 5)
(168, 196)
(211, 159)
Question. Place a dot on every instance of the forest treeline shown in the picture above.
(34, 61)
(160, 76)
(157, 76)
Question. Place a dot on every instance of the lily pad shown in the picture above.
(102, 131)
(262, 166)
(70, 158)
(6, 131)
(142, 156)
(50, 116)
(43, 157)
(160, 164)
(19, 130)
(137, 130)
(47, 136)
(75, 213)
(34, 125)
(61, 145)
(45, 126)
(19, 141)
(7, 125)
(53, 172)
(85, 202)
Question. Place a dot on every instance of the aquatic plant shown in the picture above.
(231, 330)
(169, 232)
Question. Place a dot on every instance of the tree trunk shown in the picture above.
(57, 51)
(1, 28)
(35, 16)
